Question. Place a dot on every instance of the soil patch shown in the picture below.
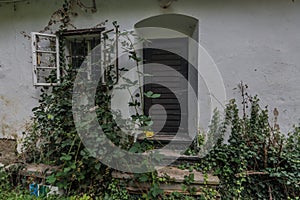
(8, 151)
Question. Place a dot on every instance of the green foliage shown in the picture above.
(177, 195)
(258, 162)
(5, 183)
(150, 94)
(204, 142)
(8, 191)
(53, 138)
(116, 191)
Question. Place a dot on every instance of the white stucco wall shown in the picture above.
(255, 41)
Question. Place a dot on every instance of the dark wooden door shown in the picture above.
(171, 83)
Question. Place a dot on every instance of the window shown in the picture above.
(91, 47)
(83, 48)
(45, 59)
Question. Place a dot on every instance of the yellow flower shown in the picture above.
(149, 133)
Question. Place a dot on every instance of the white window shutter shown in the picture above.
(45, 59)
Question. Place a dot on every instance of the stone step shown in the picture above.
(175, 152)
(175, 180)
(160, 140)
(175, 158)
(37, 170)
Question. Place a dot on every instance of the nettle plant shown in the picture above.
(257, 161)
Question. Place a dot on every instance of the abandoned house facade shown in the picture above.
(220, 43)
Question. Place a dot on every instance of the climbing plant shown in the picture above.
(53, 138)
(63, 15)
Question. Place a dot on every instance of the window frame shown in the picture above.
(68, 51)
(36, 51)
(89, 32)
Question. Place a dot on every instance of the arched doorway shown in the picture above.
(169, 45)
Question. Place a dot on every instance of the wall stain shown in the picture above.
(8, 130)
(6, 101)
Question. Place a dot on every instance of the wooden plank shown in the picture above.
(162, 117)
(167, 138)
(172, 101)
(176, 64)
(170, 107)
(164, 56)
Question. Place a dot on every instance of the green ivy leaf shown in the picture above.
(66, 157)
(51, 179)
(49, 116)
(155, 96)
(67, 169)
(150, 94)
(143, 178)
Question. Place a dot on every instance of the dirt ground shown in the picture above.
(8, 151)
